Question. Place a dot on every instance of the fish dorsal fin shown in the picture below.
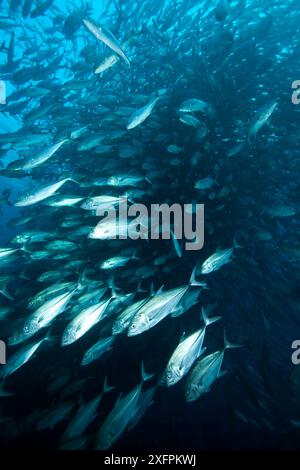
(160, 290)
(152, 291)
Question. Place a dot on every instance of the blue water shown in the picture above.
(237, 56)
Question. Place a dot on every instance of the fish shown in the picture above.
(4, 281)
(43, 156)
(85, 415)
(217, 260)
(38, 300)
(141, 114)
(83, 322)
(105, 202)
(103, 34)
(41, 194)
(205, 372)
(193, 105)
(145, 401)
(19, 358)
(42, 317)
(116, 422)
(6, 252)
(186, 353)
(114, 228)
(189, 120)
(64, 201)
(205, 183)
(188, 301)
(53, 416)
(173, 148)
(122, 322)
(117, 262)
(107, 63)
(125, 180)
(5, 311)
(281, 211)
(96, 351)
(148, 103)
(176, 244)
(159, 307)
(261, 118)
(236, 149)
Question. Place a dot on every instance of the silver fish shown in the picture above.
(141, 114)
(261, 119)
(193, 105)
(40, 194)
(19, 358)
(159, 307)
(205, 372)
(217, 260)
(43, 156)
(106, 36)
(186, 353)
(120, 416)
(42, 317)
(96, 351)
(83, 322)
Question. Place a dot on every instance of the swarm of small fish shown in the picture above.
(122, 106)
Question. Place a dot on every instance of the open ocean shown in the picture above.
(152, 102)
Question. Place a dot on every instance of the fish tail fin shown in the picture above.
(112, 286)
(81, 279)
(208, 321)
(74, 181)
(23, 275)
(135, 257)
(50, 337)
(157, 96)
(107, 388)
(228, 344)
(194, 282)
(5, 292)
(145, 375)
(236, 244)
